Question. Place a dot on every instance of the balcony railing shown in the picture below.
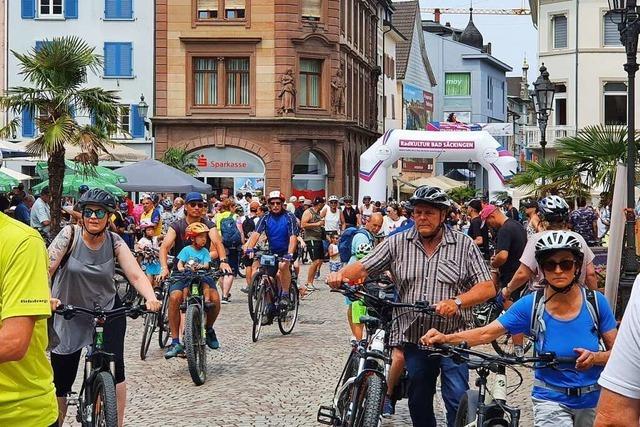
(532, 135)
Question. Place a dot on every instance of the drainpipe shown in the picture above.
(576, 66)
(384, 118)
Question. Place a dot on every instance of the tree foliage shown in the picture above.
(180, 159)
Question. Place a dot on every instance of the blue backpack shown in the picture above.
(346, 239)
(230, 234)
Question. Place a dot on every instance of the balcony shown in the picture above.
(532, 135)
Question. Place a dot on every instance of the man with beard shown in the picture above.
(433, 263)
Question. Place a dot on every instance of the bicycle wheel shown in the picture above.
(287, 320)
(125, 290)
(194, 345)
(103, 401)
(241, 267)
(350, 370)
(368, 408)
(258, 311)
(150, 324)
(504, 345)
(253, 292)
(164, 331)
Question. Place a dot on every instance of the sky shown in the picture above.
(512, 37)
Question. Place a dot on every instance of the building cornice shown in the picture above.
(226, 40)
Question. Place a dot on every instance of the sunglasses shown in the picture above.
(196, 205)
(253, 210)
(99, 213)
(550, 266)
(275, 203)
(333, 203)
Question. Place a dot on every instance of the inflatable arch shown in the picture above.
(452, 146)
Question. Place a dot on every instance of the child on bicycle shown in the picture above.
(149, 246)
(564, 319)
(196, 252)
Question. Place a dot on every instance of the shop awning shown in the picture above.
(152, 175)
(117, 152)
(15, 174)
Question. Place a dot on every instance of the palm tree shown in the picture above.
(180, 159)
(561, 178)
(56, 72)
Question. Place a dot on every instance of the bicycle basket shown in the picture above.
(270, 264)
(483, 314)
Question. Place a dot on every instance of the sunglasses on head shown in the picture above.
(196, 205)
(565, 265)
(99, 213)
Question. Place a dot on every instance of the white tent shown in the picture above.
(15, 175)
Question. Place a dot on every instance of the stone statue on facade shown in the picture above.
(337, 92)
(287, 93)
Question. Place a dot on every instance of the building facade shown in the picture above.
(269, 94)
(521, 113)
(582, 52)
(120, 30)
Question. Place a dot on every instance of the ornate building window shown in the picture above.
(310, 88)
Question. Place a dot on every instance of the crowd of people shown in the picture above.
(536, 262)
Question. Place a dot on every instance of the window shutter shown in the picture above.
(28, 9)
(39, 45)
(71, 9)
(28, 124)
(560, 32)
(611, 34)
(110, 59)
(126, 64)
(126, 9)
(137, 122)
(111, 9)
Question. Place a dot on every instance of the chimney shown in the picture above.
(436, 15)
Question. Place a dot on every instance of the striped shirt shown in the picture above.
(454, 268)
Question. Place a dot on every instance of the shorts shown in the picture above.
(315, 248)
(65, 366)
(334, 266)
(233, 257)
(181, 284)
(152, 269)
(552, 414)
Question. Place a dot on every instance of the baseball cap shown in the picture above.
(307, 202)
(45, 191)
(194, 196)
(318, 200)
(475, 204)
(486, 212)
(301, 199)
(293, 199)
(276, 195)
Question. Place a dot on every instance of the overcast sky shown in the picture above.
(512, 37)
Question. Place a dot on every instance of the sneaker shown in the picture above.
(212, 340)
(173, 351)
(224, 300)
(388, 408)
(310, 287)
(245, 289)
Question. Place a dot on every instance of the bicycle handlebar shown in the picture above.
(421, 306)
(69, 311)
(463, 352)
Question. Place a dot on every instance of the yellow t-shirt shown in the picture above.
(27, 394)
(148, 217)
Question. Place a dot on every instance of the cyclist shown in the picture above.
(433, 263)
(281, 228)
(27, 395)
(82, 264)
(150, 213)
(313, 225)
(176, 239)
(350, 213)
(564, 397)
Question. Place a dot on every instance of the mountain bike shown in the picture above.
(487, 406)
(96, 402)
(265, 300)
(359, 394)
(485, 313)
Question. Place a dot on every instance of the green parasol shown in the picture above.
(85, 171)
(7, 183)
(71, 184)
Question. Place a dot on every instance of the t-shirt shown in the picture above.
(512, 237)
(406, 225)
(40, 212)
(389, 225)
(622, 372)
(561, 337)
(154, 217)
(278, 228)
(22, 214)
(477, 230)
(513, 213)
(27, 395)
(201, 256)
(180, 228)
(333, 249)
(528, 257)
(581, 221)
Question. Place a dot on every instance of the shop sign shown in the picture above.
(417, 165)
(227, 160)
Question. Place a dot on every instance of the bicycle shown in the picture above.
(96, 402)
(487, 406)
(359, 394)
(264, 298)
(485, 313)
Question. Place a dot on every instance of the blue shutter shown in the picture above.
(28, 124)
(71, 9)
(110, 59)
(126, 63)
(117, 60)
(28, 9)
(136, 128)
(39, 45)
(118, 9)
(126, 9)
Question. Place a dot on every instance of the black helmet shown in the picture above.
(430, 195)
(99, 197)
(553, 209)
(83, 189)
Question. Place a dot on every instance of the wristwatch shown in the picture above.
(458, 302)
(223, 260)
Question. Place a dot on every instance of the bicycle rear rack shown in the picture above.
(327, 416)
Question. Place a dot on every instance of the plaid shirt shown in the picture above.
(454, 268)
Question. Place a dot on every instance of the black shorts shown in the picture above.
(65, 366)
(315, 248)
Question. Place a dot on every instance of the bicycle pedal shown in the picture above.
(327, 415)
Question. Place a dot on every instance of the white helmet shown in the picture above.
(552, 241)
(553, 209)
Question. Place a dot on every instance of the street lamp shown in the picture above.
(143, 108)
(471, 167)
(625, 13)
(543, 103)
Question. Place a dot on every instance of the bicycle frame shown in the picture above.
(492, 402)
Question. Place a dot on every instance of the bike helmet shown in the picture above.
(363, 249)
(528, 203)
(146, 224)
(430, 195)
(553, 209)
(167, 204)
(123, 206)
(83, 189)
(333, 198)
(99, 197)
(347, 198)
(196, 228)
(553, 241)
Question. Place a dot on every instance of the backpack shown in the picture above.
(538, 327)
(346, 239)
(230, 234)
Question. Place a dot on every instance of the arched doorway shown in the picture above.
(309, 176)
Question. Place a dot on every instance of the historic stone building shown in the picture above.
(275, 92)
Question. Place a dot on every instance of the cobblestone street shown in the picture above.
(278, 381)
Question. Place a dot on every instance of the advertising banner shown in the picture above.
(254, 186)
(418, 107)
(494, 129)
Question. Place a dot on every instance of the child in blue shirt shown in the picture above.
(196, 252)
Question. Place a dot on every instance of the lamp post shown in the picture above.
(543, 103)
(143, 108)
(625, 13)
